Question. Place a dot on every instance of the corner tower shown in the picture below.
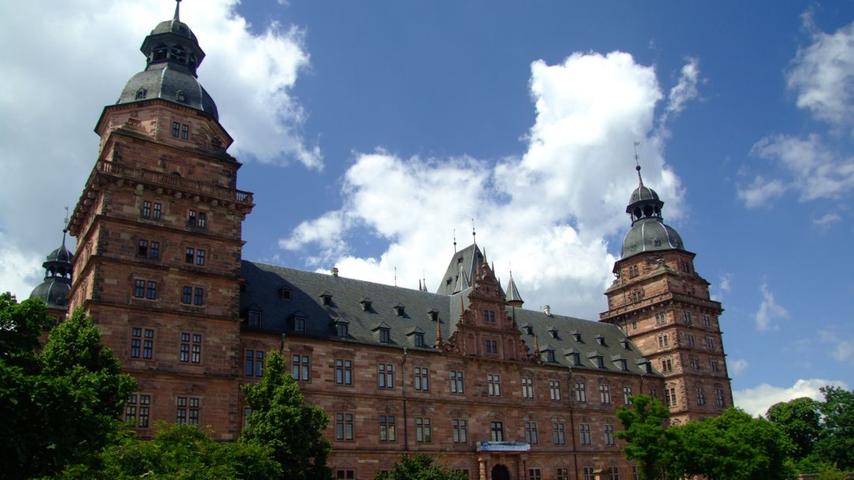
(158, 229)
(663, 305)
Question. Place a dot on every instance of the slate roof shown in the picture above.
(264, 285)
(461, 270)
(650, 234)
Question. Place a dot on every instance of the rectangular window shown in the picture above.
(531, 435)
(609, 435)
(562, 474)
(387, 431)
(146, 209)
(491, 346)
(662, 341)
(188, 410)
(151, 291)
(714, 365)
(249, 363)
(690, 340)
(686, 318)
(710, 343)
(720, 402)
(660, 319)
(192, 218)
(493, 383)
(253, 319)
(588, 473)
(184, 354)
(614, 473)
(627, 394)
(199, 296)
(158, 211)
(187, 295)
(670, 396)
(527, 388)
(203, 220)
(423, 430)
(176, 129)
(299, 324)
(422, 379)
(139, 288)
(496, 431)
(189, 255)
(457, 383)
(344, 426)
(185, 131)
(459, 428)
(585, 434)
(707, 321)
(259, 363)
(344, 475)
(142, 248)
(558, 432)
(148, 344)
(489, 316)
(154, 252)
(196, 356)
(344, 372)
(385, 375)
(300, 368)
(701, 397)
(200, 257)
(580, 391)
(138, 410)
(385, 335)
(135, 342)
(666, 365)
(604, 394)
(554, 390)
(535, 474)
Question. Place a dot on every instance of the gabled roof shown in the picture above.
(461, 270)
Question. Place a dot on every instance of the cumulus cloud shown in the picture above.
(769, 310)
(758, 399)
(549, 211)
(685, 89)
(736, 366)
(761, 191)
(78, 56)
(822, 74)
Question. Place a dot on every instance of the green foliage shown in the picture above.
(419, 467)
(800, 421)
(649, 441)
(59, 406)
(836, 444)
(182, 452)
(282, 422)
(733, 446)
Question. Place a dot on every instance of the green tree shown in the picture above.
(181, 452)
(800, 420)
(283, 422)
(733, 446)
(649, 441)
(59, 406)
(419, 467)
(836, 444)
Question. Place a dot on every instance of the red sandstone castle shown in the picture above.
(465, 374)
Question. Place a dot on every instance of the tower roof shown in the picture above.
(172, 55)
(512, 294)
(57, 279)
(648, 232)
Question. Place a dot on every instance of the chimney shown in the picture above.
(334, 271)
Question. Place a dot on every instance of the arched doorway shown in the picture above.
(500, 472)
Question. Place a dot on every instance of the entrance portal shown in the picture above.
(500, 472)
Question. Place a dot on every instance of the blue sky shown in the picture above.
(371, 131)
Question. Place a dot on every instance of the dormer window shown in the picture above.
(553, 332)
(366, 304)
(342, 329)
(326, 299)
(141, 93)
(600, 340)
(622, 364)
(626, 344)
(179, 95)
(529, 330)
(284, 293)
(253, 318)
(549, 356)
(383, 331)
(577, 337)
(574, 359)
(434, 315)
(599, 360)
(400, 310)
(299, 324)
(419, 340)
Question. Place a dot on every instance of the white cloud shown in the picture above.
(827, 219)
(725, 285)
(685, 89)
(822, 75)
(843, 346)
(758, 399)
(736, 366)
(78, 56)
(761, 191)
(19, 271)
(769, 310)
(548, 212)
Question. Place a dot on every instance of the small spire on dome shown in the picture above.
(455, 240)
(473, 232)
(637, 164)
(65, 226)
(177, 17)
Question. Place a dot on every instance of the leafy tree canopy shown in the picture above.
(649, 441)
(836, 444)
(284, 423)
(419, 467)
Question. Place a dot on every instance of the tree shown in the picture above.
(733, 446)
(59, 406)
(181, 452)
(281, 421)
(836, 444)
(649, 442)
(800, 420)
(419, 467)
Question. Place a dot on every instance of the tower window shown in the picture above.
(158, 210)
(142, 248)
(154, 250)
(180, 130)
(146, 209)
(141, 94)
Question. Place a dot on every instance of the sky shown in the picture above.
(375, 133)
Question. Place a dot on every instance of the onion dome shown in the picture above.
(648, 232)
(57, 279)
(172, 55)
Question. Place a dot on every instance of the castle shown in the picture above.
(465, 374)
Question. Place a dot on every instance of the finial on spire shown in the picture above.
(637, 164)
(65, 226)
(455, 240)
(473, 232)
(395, 276)
(177, 17)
